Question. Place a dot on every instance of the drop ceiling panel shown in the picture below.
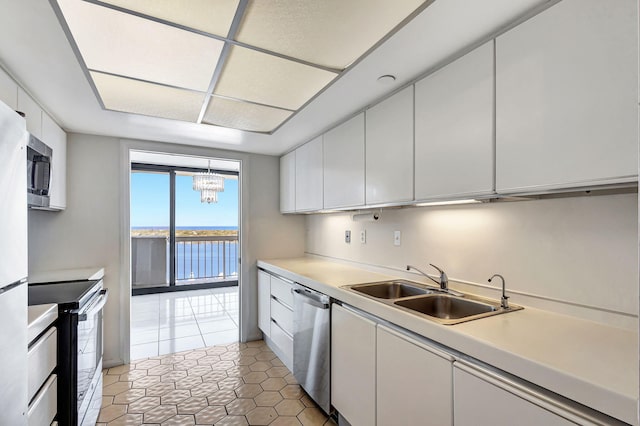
(138, 97)
(213, 17)
(124, 44)
(270, 80)
(243, 115)
(333, 33)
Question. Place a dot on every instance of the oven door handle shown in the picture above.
(95, 306)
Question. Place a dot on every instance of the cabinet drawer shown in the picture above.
(284, 342)
(41, 360)
(281, 289)
(44, 406)
(282, 315)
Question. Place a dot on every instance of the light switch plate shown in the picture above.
(347, 237)
(363, 236)
(397, 238)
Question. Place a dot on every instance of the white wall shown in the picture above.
(93, 230)
(86, 234)
(577, 255)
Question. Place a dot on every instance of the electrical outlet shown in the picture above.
(347, 237)
(363, 236)
(397, 238)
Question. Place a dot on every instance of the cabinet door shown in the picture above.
(32, 111)
(344, 164)
(454, 128)
(479, 402)
(309, 176)
(566, 98)
(264, 302)
(8, 90)
(414, 382)
(353, 366)
(390, 149)
(288, 183)
(56, 138)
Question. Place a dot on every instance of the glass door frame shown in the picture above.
(171, 171)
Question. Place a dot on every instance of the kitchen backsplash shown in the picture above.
(576, 256)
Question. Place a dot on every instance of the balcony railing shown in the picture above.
(197, 259)
(206, 257)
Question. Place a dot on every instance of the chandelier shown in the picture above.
(209, 184)
(208, 196)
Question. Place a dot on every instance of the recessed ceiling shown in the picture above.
(332, 33)
(35, 51)
(274, 56)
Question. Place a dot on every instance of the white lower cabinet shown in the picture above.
(42, 360)
(275, 315)
(414, 383)
(353, 366)
(264, 302)
(44, 406)
(483, 397)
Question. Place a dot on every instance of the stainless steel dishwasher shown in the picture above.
(312, 344)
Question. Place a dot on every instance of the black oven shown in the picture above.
(80, 328)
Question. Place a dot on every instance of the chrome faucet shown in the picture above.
(443, 282)
(504, 302)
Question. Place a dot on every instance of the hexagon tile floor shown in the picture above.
(236, 384)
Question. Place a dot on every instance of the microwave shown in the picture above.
(39, 157)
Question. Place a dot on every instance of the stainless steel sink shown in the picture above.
(446, 307)
(391, 289)
(430, 302)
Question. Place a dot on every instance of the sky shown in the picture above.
(150, 202)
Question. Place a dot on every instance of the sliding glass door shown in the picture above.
(206, 233)
(178, 240)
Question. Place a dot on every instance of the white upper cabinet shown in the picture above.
(288, 183)
(389, 159)
(56, 138)
(8, 90)
(344, 164)
(567, 97)
(454, 148)
(309, 176)
(32, 111)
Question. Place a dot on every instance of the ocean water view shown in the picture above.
(201, 251)
(188, 228)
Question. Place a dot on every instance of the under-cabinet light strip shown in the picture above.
(448, 203)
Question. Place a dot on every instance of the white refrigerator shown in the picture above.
(13, 267)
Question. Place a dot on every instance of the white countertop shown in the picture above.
(66, 275)
(40, 317)
(587, 362)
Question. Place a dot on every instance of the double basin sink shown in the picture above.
(430, 302)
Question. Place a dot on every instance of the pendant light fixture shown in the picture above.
(208, 196)
(209, 184)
